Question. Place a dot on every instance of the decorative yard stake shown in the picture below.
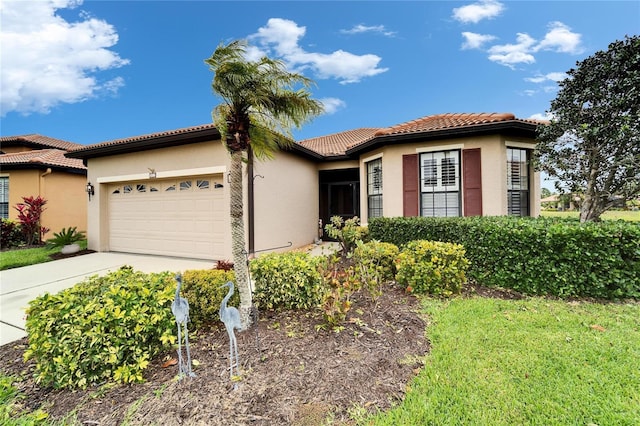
(180, 309)
(231, 319)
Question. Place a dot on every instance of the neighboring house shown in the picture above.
(167, 193)
(35, 165)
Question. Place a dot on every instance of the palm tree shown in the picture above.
(261, 102)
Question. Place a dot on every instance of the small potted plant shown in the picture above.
(68, 239)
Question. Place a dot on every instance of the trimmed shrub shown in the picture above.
(104, 329)
(202, 290)
(432, 267)
(375, 262)
(540, 256)
(10, 234)
(286, 281)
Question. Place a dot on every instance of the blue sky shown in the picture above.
(93, 71)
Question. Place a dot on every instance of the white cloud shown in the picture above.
(541, 116)
(476, 12)
(511, 54)
(47, 60)
(560, 39)
(282, 36)
(475, 41)
(332, 105)
(360, 28)
(552, 76)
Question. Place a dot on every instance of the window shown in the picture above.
(440, 183)
(202, 184)
(374, 188)
(4, 197)
(141, 187)
(517, 182)
(185, 185)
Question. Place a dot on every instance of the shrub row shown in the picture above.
(534, 256)
(202, 290)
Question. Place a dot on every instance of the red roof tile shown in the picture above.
(44, 157)
(149, 136)
(446, 121)
(39, 141)
(338, 143)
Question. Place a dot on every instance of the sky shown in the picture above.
(94, 71)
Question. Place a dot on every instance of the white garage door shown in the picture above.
(183, 217)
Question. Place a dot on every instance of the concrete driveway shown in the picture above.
(20, 285)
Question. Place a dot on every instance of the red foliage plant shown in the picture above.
(29, 217)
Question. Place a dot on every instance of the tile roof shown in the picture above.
(338, 143)
(43, 157)
(35, 140)
(446, 121)
(150, 136)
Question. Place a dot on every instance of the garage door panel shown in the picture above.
(188, 221)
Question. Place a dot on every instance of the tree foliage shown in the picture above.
(261, 102)
(592, 144)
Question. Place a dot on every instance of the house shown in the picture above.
(35, 165)
(167, 193)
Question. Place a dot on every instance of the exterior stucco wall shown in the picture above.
(493, 151)
(186, 160)
(65, 194)
(286, 202)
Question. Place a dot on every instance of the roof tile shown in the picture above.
(45, 157)
(338, 143)
(41, 141)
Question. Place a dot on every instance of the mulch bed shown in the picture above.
(293, 371)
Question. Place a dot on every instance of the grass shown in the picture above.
(632, 216)
(24, 257)
(531, 362)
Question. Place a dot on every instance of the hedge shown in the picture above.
(534, 256)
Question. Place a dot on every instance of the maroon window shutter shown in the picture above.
(410, 183)
(472, 182)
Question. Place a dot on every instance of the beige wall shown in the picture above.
(286, 202)
(65, 194)
(493, 151)
(182, 161)
(286, 196)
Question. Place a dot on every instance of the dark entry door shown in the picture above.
(339, 194)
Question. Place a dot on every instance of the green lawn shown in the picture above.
(23, 257)
(633, 216)
(531, 362)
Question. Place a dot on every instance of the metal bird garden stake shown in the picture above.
(180, 309)
(231, 319)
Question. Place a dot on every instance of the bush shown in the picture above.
(65, 237)
(103, 329)
(340, 285)
(346, 232)
(375, 262)
(432, 267)
(10, 234)
(286, 281)
(202, 291)
(543, 256)
(30, 216)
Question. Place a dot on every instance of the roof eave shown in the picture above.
(43, 166)
(146, 144)
(511, 128)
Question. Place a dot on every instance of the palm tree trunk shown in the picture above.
(238, 238)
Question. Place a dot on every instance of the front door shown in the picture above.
(339, 194)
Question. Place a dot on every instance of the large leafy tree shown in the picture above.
(261, 103)
(592, 144)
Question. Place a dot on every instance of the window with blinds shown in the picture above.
(440, 183)
(374, 188)
(517, 182)
(4, 197)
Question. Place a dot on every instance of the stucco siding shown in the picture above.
(493, 172)
(64, 192)
(286, 202)
(184, 161)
